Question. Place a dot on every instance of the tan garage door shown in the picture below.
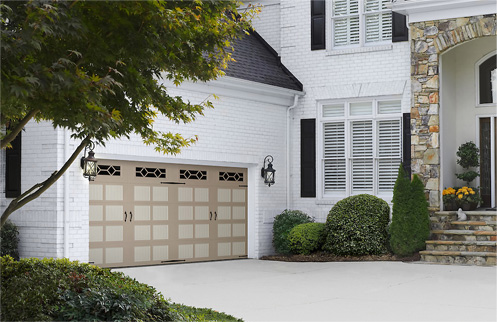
(151, 213)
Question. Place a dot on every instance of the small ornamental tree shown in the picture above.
(468, 157)
(410, 226)
(96, 68)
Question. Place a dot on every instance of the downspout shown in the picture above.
(288, 137)
(66, 196)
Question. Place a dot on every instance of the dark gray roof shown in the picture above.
(257, 61)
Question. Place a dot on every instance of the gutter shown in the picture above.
(288, 154)
(65, 211)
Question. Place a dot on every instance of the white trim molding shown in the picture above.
(426, 10)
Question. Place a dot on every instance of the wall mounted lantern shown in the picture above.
(268, 172)
(89, 163)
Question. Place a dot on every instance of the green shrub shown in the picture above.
(51, 289)
(306, 238)
(410, 226)
(357, 225)
(282, 225)
(9, 240)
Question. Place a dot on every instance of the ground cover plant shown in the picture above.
(283, 224)
(358, 225)
(59, 289)
(306, 238)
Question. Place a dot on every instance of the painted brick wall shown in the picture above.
(267, 23)
(328, 74)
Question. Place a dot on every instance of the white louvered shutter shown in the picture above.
(362, 156)
(389, 153)
(334, 157)
(378, 21)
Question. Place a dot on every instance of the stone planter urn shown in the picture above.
(469, 206)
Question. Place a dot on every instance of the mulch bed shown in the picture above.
(326, 257)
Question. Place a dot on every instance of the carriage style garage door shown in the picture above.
(151, 213)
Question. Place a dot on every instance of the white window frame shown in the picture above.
(477, 79)
(375, 117)
(362, 27)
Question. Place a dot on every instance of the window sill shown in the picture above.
(357, 50)
(486, 105)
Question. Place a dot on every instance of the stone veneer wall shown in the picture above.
(429, 39)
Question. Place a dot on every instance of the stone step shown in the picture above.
(461, 246)
(474, 225)
(464, 235)
(458, 257)
(478, 215)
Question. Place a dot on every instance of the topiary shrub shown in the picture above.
(410, 226)
(282, 225)
(58, 289)
(357, 225)
(9, 240)
(306, 238)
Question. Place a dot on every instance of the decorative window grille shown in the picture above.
(230, 176)
(362, 147)
(108, 170)
(193, 174)
(150, 172)
(360, 22)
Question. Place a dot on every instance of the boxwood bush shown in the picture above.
(58, 289)
(282, 225)
(358, 225)
(9, 240)
(307, 238)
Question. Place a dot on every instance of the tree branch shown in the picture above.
(36, 190)
(12, 135)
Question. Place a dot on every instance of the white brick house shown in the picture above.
(345, 132)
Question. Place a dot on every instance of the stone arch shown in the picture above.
(430, 39)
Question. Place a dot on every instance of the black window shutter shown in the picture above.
(308, 158)
(318, 25)
(400, 32)
(13, 169)
(406, 142)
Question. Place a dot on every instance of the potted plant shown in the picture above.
(467, 198)
(449, 199)
(468, 157)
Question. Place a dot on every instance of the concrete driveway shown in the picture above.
(257, 290)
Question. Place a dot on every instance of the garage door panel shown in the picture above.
(185, 213)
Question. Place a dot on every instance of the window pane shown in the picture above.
(362, 139)
(361, 109)
(387, 173)
(372, 27)
(389, 107)
(371, 5)
(362, 175)
(389, 139)
(386, 26)
(340, 7)
(333, 110)
(334, 156)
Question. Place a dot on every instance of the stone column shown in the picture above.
(429, 39)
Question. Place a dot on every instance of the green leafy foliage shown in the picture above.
(357, 225)
(51, 289)
(306, 238)
(203, 314)
(9, 240)
(283, 224)
(410, 226)
(468, 157)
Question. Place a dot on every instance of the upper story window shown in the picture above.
(360, 22)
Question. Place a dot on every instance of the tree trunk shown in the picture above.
(36, 190)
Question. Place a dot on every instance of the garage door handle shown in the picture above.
(130, 216)
(211, 216)
(125, 216)
(215, 212)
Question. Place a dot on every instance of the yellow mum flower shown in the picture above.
(459, 196)
(472, 192)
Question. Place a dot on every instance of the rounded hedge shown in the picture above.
(306, 238)
(358, 225)
(282, 225)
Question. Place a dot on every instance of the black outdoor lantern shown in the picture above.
(89, 163)
(268, 173)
